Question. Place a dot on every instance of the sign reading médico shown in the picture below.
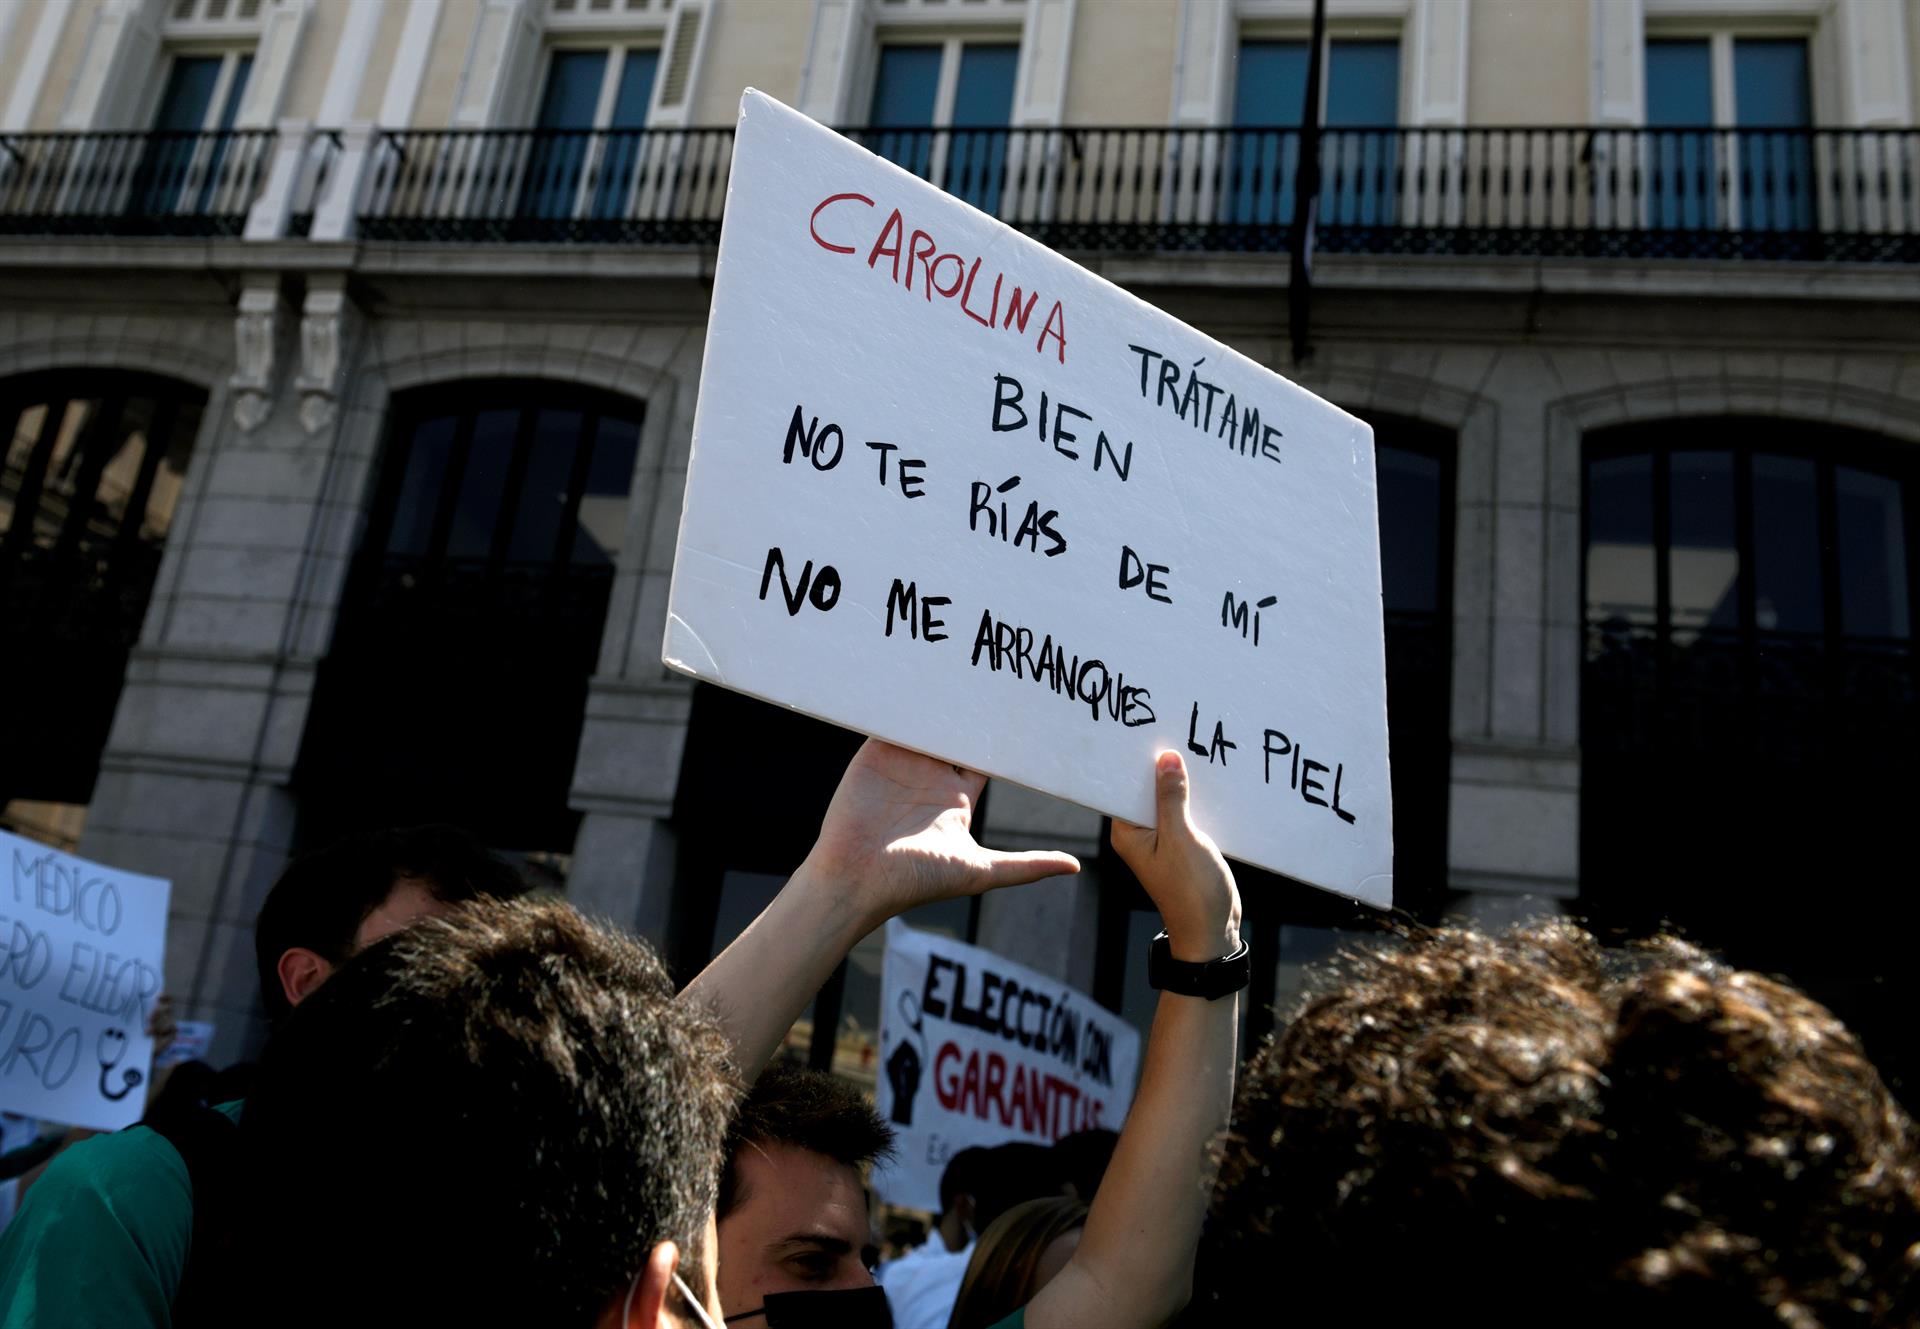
(83, 945)
(949, 488)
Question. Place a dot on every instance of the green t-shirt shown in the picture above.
(1017, 1320)
(102, 1237)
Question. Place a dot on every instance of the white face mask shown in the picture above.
(686, 1294)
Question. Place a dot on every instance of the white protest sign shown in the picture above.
(953, 490)
(80, 972)
(978, 1050)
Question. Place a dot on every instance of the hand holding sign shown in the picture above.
(1182, 871)
(899, 834)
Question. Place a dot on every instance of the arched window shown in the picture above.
(94, 462)
(1748, 696)
(457, 680)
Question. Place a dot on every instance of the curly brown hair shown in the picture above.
(1528, 1130)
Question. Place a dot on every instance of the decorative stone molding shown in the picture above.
(254, 329)
(322, 356)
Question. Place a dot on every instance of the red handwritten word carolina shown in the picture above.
(908, 250)
(1021, 1096)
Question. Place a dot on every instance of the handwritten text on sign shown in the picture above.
(952, 489)
(79, 973)
(977, 1050)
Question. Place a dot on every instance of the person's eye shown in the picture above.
(816, 1267)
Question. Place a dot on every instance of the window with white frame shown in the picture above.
(1729, 116)
(942, 106)
(588, 141)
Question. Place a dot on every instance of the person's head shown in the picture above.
(1530, 1129)
(502, 1110)
(334, 902)
(957, 1182)
(1081, 1160)
(1010, 1174)
(1020, 1252)
(793, 1208)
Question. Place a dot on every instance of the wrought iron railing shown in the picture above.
(148, 183)
(1564, 191)
(554, 185)
(1825, 194)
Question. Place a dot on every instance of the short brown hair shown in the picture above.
(507, 1103)
(1529, 1129)
(809, 1110)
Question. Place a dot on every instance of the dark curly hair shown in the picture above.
(488, 1118)
(1529, 1130)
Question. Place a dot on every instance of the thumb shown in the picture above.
(1010, 869)
(1170, 791)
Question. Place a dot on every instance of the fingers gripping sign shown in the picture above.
(1181, 869)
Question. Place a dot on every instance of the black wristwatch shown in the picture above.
(1213, 979)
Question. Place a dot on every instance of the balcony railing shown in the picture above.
(150, 183)
(1792, 194)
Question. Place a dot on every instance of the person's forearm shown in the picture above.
(1138, 1249)
(760, 984)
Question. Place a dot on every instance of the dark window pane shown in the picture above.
(1703, 568)
(1681, 192)
(1270, 85)
(1872, 541)
(603, 507)
(478, 508)
(1620, 555)
(636, 89)
(1770, 84)
(1786, 546)
(1363, 83)
(573, 89)
(903, 91)
(189, 93)
(903, 94)
(1410, 517)
(412, 528)
(242, 71)
(543, 491)
(1679, 83)
(982, 102)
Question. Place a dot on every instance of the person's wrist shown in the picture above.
(1202, 936)
(840, 889)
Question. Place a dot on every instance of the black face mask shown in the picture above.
(845, 1308)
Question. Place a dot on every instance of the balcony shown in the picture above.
(126, 184)
(1747, 195)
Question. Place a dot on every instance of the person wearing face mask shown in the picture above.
(898, 835)
(792, 1215)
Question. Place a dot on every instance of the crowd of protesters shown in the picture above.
(478, 1107)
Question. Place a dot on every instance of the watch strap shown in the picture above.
(1212, 979)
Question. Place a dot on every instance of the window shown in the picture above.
(1748, 697)
(942, 111)
(1728, 144)
(456, 685)
(180, 170)
(93, 466)
(1360, 105)
(586, 151)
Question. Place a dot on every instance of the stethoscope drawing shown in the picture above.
(911, 1017)
(111, 1048)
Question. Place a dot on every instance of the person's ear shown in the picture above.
(963, 1209)
(646, 1308)
(301, 972)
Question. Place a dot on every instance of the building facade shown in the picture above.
(348, 356)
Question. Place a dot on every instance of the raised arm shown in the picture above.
(897, 834)
(1133, 1268)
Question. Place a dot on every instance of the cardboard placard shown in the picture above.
(79, 974)
(978, 1050)
(951, 489)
